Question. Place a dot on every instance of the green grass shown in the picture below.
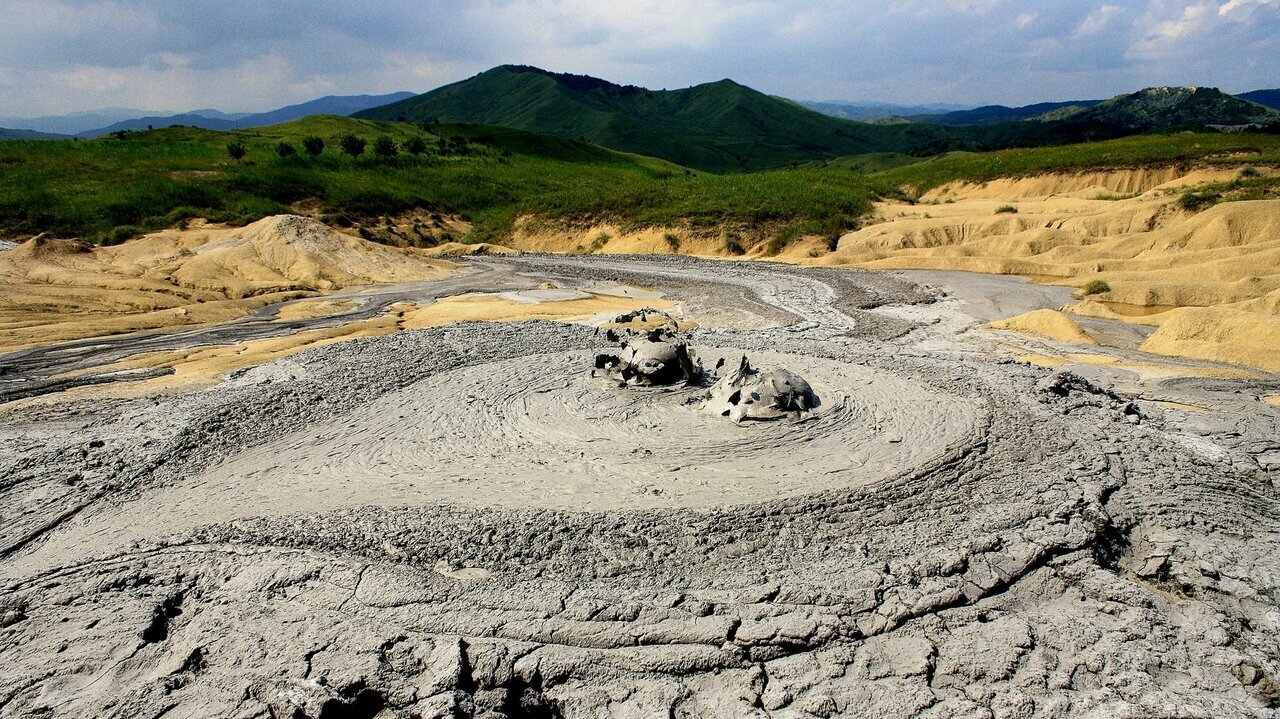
(110, 189)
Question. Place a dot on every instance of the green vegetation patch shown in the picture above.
(1249, 186)
(112, 188)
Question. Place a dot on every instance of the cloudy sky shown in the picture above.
(58, 56)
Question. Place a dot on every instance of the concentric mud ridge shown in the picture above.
(452, 522)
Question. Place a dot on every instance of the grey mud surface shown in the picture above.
(388, 528)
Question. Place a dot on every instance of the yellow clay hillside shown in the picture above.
(63, 289)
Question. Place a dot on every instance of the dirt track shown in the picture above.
(344, 532)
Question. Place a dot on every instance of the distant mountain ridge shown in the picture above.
(993, 114)
(1043, 111)
(214, 120)
(715, 126)
(11, 134)
(1270, 98)
(866, 111)
(71, 123)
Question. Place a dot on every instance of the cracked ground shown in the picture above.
(455, 522)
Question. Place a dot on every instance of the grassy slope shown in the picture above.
(109, 189)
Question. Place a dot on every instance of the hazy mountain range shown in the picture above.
(866, 111)
(102, 122)
(987, 114)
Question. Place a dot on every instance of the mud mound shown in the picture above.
(42, 247)
(652, 358)
(747, 393)
(64, 289)
(290, 252)
(538, 431)
(1046, 323)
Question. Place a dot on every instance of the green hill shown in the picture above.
(1176, 107)
(717, 126)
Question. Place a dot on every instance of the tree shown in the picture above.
(384, 146)
(352, 145)
(415, 146)
(313, 145)
(286, 150)
(237, 150)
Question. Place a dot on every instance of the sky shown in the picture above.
(59, 56)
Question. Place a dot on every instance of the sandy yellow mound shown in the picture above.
(1046, 323)
(457, 249)
(1219, 334)
(1083, 184)
(55, 290)
(290, 252)
(1147, 252)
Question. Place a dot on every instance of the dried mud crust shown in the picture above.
(1069, 557)
(754, 294)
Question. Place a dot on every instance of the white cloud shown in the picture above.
(1236, 7)
(1097, 21)
(241, 55)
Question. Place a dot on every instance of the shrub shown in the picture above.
(118, 234)
(1196, 201)
(415, 146)
(1007, 210)
(1249, 172)
(313, 145)
(384, 146)
(1096, 287)
(286, 150)
(733, 243)
(672, 241)
(237, 150)
(600, 241)
(352, 145)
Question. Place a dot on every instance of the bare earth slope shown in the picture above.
(57, 290)
(1124, 229)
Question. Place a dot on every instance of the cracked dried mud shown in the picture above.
(460, 521)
